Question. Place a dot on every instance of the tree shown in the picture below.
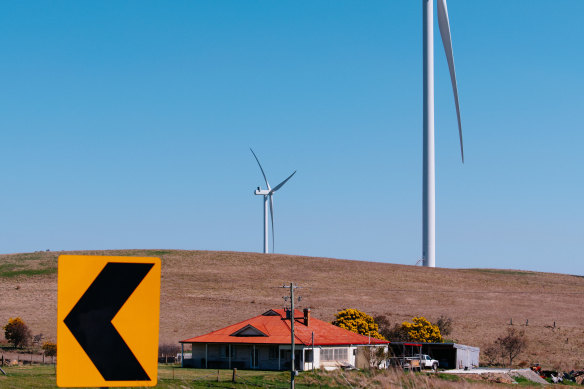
(421, 330)
(50, 349)
(444, 324)
(36, 339)
(17, 332)
(357, 321)
(511, 344)
(392, 332)
(375, 357)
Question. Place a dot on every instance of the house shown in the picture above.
(263, 342)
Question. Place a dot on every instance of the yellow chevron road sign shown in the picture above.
(108, 314)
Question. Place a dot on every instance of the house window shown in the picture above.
(340, 354)
(307, 355)
(334, 354)
(273, 352)
(326, 354)
(224, 351)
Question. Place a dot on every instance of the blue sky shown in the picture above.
(128, 125)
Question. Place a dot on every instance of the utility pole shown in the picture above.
(313, 350)
(292, 319)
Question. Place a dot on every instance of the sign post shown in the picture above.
(108, 314)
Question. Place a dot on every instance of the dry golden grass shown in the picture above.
(398, 379)
(205, 290)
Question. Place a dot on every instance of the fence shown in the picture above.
(14, 358)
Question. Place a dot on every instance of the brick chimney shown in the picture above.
(306, 316)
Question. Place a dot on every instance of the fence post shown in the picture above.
(217, 375)
(234, 374)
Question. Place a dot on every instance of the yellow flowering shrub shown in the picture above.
(50, 349)
(421, 330)
(357, 321)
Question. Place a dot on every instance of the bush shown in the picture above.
(491, 353)
(392, 332)
(357, 321)
(50, 349)
(17, 332)
(444, 323)
(421, 330)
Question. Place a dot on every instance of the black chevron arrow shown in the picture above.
(90, 321)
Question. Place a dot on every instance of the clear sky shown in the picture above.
(127, 124)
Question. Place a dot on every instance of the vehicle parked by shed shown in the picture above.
(426, 362)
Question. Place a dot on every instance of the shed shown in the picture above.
(448, 355)
(453, 355)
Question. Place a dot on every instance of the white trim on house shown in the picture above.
(212, 356)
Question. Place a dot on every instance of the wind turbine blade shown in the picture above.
(272, 215)
(260, 165)
(444, 26)
(281, 184)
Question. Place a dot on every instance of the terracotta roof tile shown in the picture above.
(278, 331)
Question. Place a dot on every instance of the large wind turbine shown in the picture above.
(429, 190)
(268, 193)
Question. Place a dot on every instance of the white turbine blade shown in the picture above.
(281, 184)
(260, 165)
(444, 25)
(272, 215)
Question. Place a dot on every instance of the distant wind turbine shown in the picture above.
(268, 194)
(429, 189)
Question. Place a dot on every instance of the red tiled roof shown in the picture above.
(278, 331)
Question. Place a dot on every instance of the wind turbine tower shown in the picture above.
(429, 189)
(268, 196)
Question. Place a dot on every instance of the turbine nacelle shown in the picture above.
(260, 191)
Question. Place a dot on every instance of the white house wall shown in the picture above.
(210, 355)
(350, 360)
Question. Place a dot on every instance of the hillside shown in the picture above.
(205, 290)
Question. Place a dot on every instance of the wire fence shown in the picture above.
(218, 379)
(15, 358)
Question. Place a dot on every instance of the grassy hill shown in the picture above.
(206, 290)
